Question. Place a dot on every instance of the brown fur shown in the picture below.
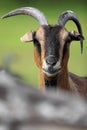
(80, 83)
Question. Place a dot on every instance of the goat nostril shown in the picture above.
(51, 60)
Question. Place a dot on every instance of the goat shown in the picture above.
(51, 50)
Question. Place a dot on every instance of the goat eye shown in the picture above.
(66, 45)
(68, 40)
(37, 44)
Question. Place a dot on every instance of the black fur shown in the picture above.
(51, 84)
(36, 43)
(51, 40)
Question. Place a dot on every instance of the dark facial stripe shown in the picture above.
(51, 40)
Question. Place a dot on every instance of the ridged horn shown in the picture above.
(70, 15)
(37, 14)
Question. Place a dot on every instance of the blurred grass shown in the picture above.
(13, 28)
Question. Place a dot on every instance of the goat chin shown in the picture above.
(50, 74)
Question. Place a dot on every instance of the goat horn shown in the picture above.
(38, 15)
(70, 15)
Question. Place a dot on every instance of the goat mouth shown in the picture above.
(51, 71)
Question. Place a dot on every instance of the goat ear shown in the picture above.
(76, 36)
(28, 37)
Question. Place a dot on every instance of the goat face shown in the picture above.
(52, 49)
(51, 45)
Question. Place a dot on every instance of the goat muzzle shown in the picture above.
(51, 60)
(51, 66)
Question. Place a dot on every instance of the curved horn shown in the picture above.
(38, 15)
(70, 15)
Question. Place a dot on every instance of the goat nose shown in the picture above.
(51, 60)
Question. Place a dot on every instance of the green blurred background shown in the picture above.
(13, 28)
